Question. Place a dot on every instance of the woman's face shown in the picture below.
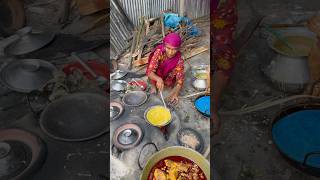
(170, 51)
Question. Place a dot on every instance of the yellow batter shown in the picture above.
(301, 45)
(158, 115)
(201, 75)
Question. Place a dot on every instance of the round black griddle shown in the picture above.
(295, 133)
(135, 98)
(76, 117)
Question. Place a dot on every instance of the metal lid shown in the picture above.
(118, 85)
(118, 74)
(127, 136)
(26, 75)
(29, 41)
(116, 110)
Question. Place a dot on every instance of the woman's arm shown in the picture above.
(152, 67)
(176, 90)
(179, 82)
(179, 77)
(153, 76)
(224, 24)
(160, 83)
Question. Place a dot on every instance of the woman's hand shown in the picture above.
(173, 98)
(160, 84)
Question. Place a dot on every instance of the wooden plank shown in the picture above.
(132, 49)
(141, 61)
(195, 52)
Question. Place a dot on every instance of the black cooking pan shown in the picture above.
(76, 117)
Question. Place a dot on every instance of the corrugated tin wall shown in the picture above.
(120, 29)
(197, 8)
(148, 8)
(134, 9)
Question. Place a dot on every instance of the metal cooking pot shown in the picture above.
(188, 153)
(289, 73)
(200, 84)
(199, 68)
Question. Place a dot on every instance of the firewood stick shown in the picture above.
(133, 45)
(162, 26)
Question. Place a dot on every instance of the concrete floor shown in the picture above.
(244, 150)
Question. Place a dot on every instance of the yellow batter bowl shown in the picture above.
(158, 116)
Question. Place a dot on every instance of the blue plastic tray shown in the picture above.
(297, 135)
(202, 104)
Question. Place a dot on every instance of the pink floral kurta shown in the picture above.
(223, 22)
(175, 76)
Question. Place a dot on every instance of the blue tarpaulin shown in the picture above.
(173, 20)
